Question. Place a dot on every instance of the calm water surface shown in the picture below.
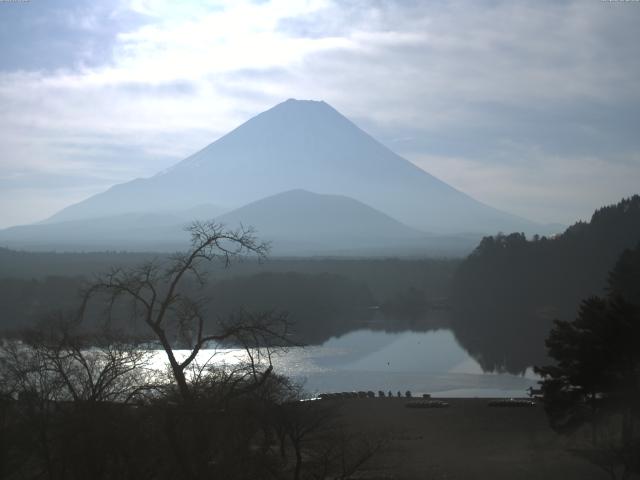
(423, 362)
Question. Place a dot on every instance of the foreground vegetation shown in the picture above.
(592, 390)
(81, 402)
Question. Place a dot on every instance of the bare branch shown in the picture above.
(157, 295)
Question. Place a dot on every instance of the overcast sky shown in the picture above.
(532, 107)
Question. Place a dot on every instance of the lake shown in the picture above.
(422, 362)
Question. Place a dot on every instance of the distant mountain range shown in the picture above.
(296, 222)
(365, 196)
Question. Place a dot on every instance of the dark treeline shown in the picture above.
(323, 297)
(507, 293)
(384, 277)
(25, 264)
(319, 305)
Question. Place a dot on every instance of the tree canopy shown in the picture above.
(508, 291)
(595, 379)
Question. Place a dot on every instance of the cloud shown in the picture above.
(506, 89)
(547, 188)
(61, 34)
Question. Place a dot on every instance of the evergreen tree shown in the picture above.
(596, 378)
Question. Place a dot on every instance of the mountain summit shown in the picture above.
(301, 144)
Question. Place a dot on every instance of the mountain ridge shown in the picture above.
(296, 222)
(309, 145)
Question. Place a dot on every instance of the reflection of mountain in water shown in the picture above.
(365, 359)
(429, 361)
(322, 329)
(405, 351)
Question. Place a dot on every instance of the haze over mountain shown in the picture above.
(296, 222)
(302, 145)
(126, 231)
(318, 218)
(302, 222)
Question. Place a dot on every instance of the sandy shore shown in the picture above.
(467, 440)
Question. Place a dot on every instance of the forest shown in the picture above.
(323, 297)
(508, 292)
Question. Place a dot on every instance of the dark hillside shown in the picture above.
(509, 290)
(324, 297)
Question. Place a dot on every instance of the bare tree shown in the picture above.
(320, 440)
(158, 295)
(210, 421)
(67, 389)
(59, 363)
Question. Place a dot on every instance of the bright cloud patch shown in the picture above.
(150, 82)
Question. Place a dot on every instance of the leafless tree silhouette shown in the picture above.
(157, 295)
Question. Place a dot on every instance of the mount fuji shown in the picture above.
(296, 145)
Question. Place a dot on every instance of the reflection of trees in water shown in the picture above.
(374, 320)
(507, 293)
(499, 344)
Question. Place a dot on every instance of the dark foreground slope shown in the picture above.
(507, 293)
(466, 441)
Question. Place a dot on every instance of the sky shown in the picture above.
(532, 107)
